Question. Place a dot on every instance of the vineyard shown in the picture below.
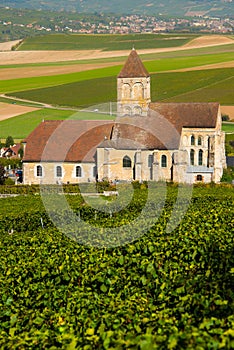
(169, 289)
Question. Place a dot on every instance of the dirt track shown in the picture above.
(8, 45)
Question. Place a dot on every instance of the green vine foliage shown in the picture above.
(164, 291)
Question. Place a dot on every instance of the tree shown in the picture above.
(2, 173)
(9, 141)
(21, 152)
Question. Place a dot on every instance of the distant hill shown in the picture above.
(161, 7)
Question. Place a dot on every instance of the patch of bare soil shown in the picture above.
(9, 110)
(14, 73)
(22, 72)
(209, 40)
(8, 45)
(229, 110)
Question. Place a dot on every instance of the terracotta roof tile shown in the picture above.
(77, 140)
(69, 140)
(161, 129)
(133, 67)
(190, 115)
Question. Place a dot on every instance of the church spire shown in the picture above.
(133, 87)
(133, 67)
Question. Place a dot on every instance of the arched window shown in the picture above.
(39, 170)
(199, 141)
(192, 157)
(127, 110)
(199, 177)
(138, 91)
(192, 140)
(200, 157)
(126, 91)
(137, 110)
(150, 160)
(59, 171)
(127, 163)
(164, 161)
(78, 171)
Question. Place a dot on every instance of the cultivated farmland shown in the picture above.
(90, 81)
(165, 86)
(104, 42)
(170, 289)
(167, 290)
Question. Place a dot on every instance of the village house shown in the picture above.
(10, 152)
(180, 142)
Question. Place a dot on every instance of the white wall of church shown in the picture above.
(52, 173)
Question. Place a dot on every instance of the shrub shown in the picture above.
(2, 175)
(228, 175)
(225, 118)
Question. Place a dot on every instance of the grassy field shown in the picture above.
(207, 86)
(46, 81)
(19, 127)
(165, 87)
(104, 42)
(228, 127)
(176, 86)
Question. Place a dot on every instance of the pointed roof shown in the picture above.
(133, 67)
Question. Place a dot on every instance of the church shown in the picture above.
(180, 142)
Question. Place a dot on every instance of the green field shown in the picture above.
(104, 42)
(175, 86)
(34, 83)
(208, 85)
(228, 127)
(158, 65)
(20, 126)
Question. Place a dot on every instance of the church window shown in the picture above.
(137, 110)
(94, 171)
(59, 171)
(199, 177)
(138, 91)
(192, 140)
(150, 160)
(39, 170)
(127, 110)
(78, 171)
(127, 163)
(126, 91)
(199, 141)
(192, 157)
(200, 157)
(164, 161)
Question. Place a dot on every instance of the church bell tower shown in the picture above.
(133, 87)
